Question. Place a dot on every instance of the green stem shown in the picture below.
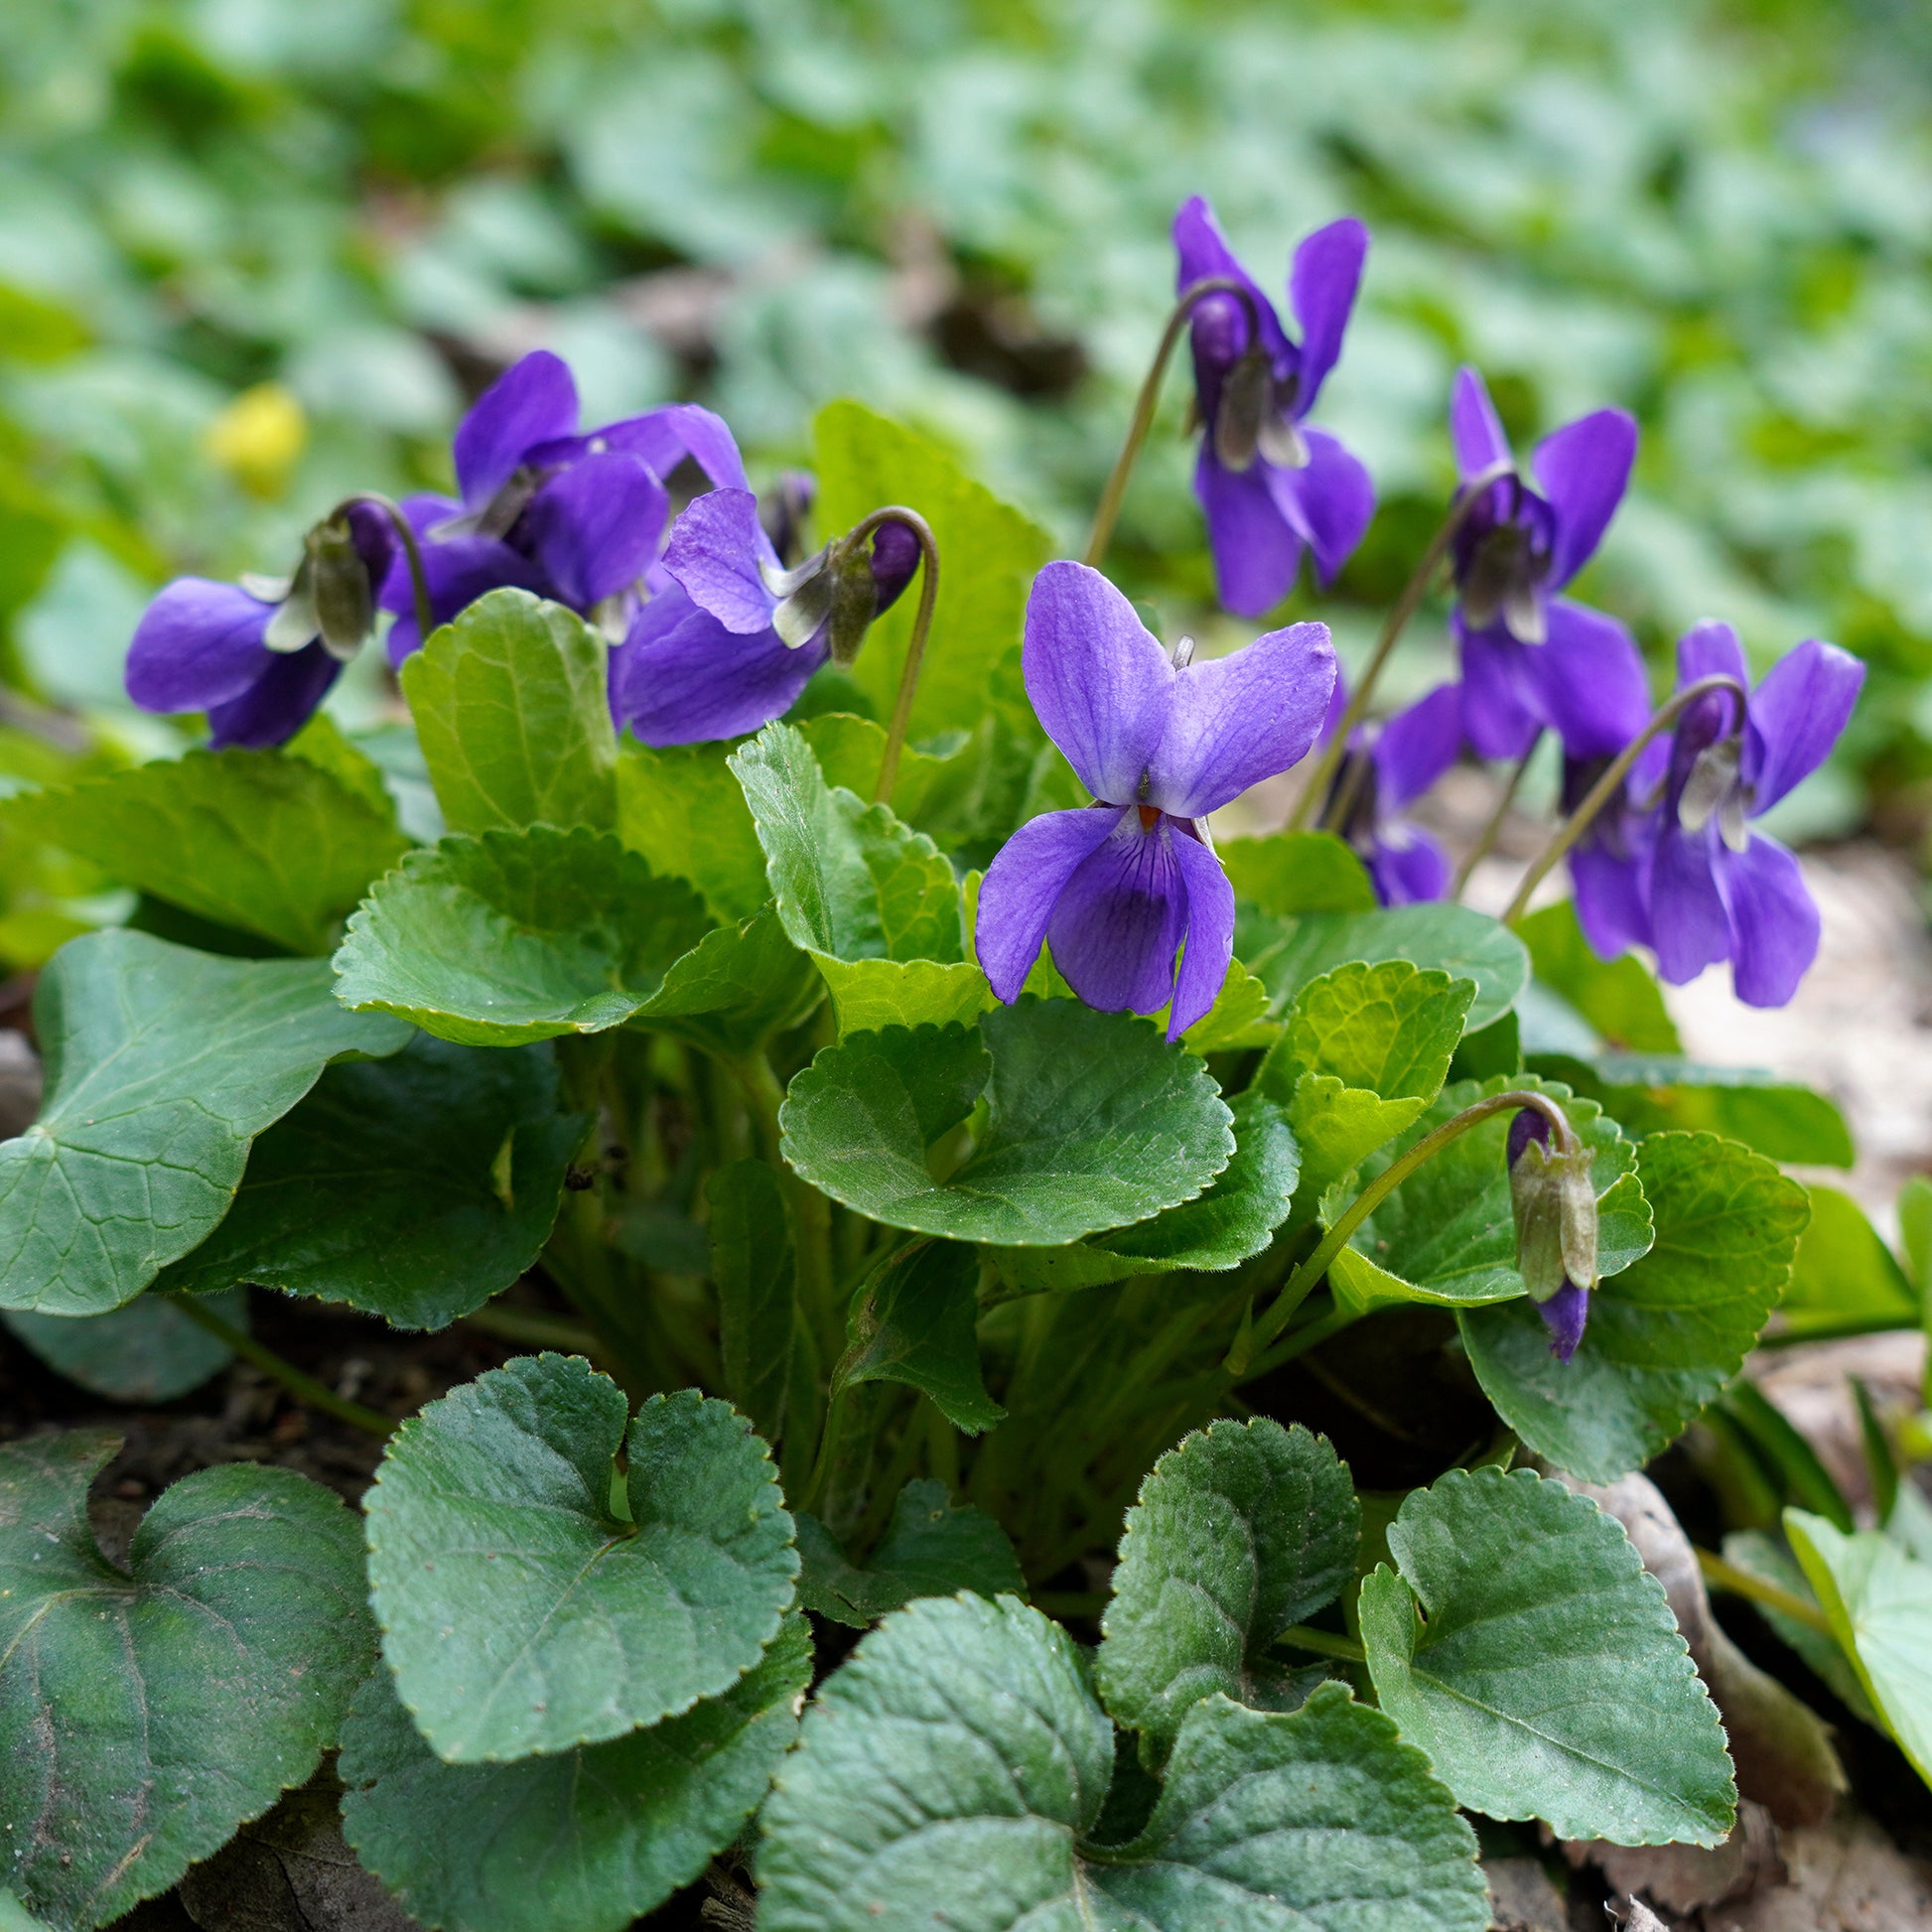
(1719, 1574)
(1393, 626)
(909, 676)
(1610, 783)
(1486, 839)
(1324, 1643)
(1302, 1283)
(1108, 512)
(811, 1212)
(830, 1436)
(418, 583)
(1311, 1335)
(304, 1388)
(536, 1328)
(1843, 1329)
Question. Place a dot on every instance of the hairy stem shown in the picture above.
(1486, 838)
(909, 677)
(304, 1388)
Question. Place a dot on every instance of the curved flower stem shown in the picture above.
(909, 677)
(1302, 1283)
(1607, 786)
(304, 1388)
(1486, 839)
(1719, 1574)
(1108, 512)
(1393, 626)
(1309, 1335)
(418, 583)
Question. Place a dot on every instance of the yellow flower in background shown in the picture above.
(258, 437)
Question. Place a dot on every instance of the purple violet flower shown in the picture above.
(735, 638)
(1609, 865)
(1718, 889)
(1386, 769)
(1530, 657)
(1117, 888)
(1268, 485)
(251, 655)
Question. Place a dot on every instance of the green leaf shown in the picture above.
(1618, 997)
(988, 554)
(870, 994)
(147, 1352)
(1454, 940)
(1878, 1602)
(1092, 1122)
(162, 1065)
(1243, 1530)
(1297, 872)
(267, 844)
(1843, 1272)
(414, 1187)
(516, 936)
(849, 749)
(681, 807)
(510, 707)
(913, 1321)
(1915, 1231)
(1526, 1649)
(1667, 1335)
(1800, 1471)
(977, 1718)
(1767, 1555)
(735, 988)
(580, 1841)
(754, 1270)
(1653, 1093)
(1238, 1019)
(146, 1714)
(15, 1917)
(520, 1615)
(932, 1547)
(1448, 1233)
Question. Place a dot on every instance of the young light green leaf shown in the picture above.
(1294, 872)
(1448, 1233)
(754, 1271)
(1843, 1272)
(1092, 1122)
(1667, 1335)
(147, 1352)
(517, 937)
(870, 994)
(146, 1714)
(254, 840)
(1767, 1555)
(913, 1321)
(989, 555)
(1618, 998)
(1527, 1650)
(1243, 1530)
(932, 1547)
(1237, 1021)
(1880, 1603)
(510, 705)
(414, 1187)
(850, 749)
(977, 1717)
(162, 1065)
(681, 807)
(518, 1613)
(584, 1839)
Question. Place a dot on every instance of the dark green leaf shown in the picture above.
(517, 937)
(271, 845)
(519, 1614)
(582, 1841)
(1243, 1530)
(414, 1187)
(735, 988)
(510, 705)
(913, 1321)
(755, 1273)
(145, 1714)
(1655, 1092)
(162, 1065)
(681, 807)
(1618, 998)
(147, 1352)
(932, 1547)
(1092, 1122)
(1800, 1471)
(1543, 1672)
(1297, 872)
(1666, 1334)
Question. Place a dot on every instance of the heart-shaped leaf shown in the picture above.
(162, 1065)
(415, 1187)
(146, 1714)
(1243, 1530)
(1527, 1650)
(932, 1547)
(519, 1613)
(516, 936)
(147, 1352)
(1092, 1122)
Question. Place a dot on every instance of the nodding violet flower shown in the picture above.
(1555, 1205)
(1117, 888)
(1609, 865)
(578, 518)
(1384, 771)
(1718, 889)
(259, 656)
(1268, 485)
(735, 638)
(1530, 657)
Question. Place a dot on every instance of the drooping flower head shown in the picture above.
(1120, 888)
(737, 635)
(1718, 887)
(1530, 657)
(1269, 484)
(1555, 1207)
(260, 655)
(1385, 770)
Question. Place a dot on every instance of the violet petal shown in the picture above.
(1475, 430)
(682, 678)
(1118, 922)
(1327, 503)
(1416, 747)
(1589, 680)
(715, 551)
(1026, 878)
(530, 402)
(594, 527)
(1774, 927)
(279, 702)
(1584, 469)
(198, 644)
(1796, 715)
(1255, 551)
(1321, 283)
(1210, 944)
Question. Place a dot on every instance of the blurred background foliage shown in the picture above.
(255, 254)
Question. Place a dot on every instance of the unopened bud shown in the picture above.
(804, 597)
(338, 581)
(1555, 1207)
(855, 602)
(1247, 394)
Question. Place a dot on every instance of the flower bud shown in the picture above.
(1555, 1207)
(338, 581)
